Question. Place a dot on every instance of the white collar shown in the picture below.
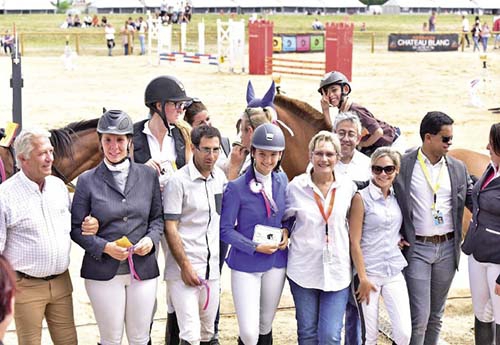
(123, 166)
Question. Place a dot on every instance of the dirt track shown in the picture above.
(397, 87)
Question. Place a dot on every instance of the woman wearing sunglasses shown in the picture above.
(482, 243)
(325, 206)
(382, 261)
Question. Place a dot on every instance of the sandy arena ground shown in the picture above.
(397, 87)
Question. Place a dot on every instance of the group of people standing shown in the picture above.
(350, 229)
(127, 32)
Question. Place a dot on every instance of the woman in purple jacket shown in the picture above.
(252, 209)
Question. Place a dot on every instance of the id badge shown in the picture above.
(437, 217)
(327, 255)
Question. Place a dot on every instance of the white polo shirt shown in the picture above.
(421, 196)
(307, 241)
(358, 169)
(195, 201)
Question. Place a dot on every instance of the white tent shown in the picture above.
(455, 5)
(26, 6)
(214, 6)
(488, 4)
(408, 6)
(113, 6)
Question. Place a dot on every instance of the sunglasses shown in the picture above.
(446, 140)
(389, 169)
(190, 102)
(179, 105)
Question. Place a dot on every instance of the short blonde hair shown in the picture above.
(23, 145)
(387, 151)
(254, 117)
(327, 137)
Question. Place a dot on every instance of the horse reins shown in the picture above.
(59, 174)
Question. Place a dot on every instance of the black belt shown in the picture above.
(26, 276)
(436, 238)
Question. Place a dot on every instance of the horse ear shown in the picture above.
(104, 110)
(250, 92)
(268, 98)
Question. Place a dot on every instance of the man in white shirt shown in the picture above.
(192, 204)
(352, 163)
(356, 166)
(465, 30)
(35, 224)
(432, 190)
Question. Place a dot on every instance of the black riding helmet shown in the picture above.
(164, 89)
(335, 78)
(115, 122)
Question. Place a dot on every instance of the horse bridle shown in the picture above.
(59, 174)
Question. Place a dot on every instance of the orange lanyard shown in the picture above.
(322, 210)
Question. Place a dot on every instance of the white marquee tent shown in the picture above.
(26, 6)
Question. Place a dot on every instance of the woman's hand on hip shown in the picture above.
(266, 248)
(115, 251)
(497, 289)
(364, 289)
(144, 246)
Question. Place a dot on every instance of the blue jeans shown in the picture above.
(429, 274)
(319, 314)
(142, 41)
(352, 334)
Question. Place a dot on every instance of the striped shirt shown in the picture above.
(35, 225)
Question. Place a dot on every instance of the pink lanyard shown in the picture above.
(204, 282)
(269, 203)
(131, 264)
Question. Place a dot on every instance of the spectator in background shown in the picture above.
(188, 12)
(496, 28)
(485, 34)
(141, 28)
(77, 22)
(8, 42)
(317, 25)
(87, 21)
(95, 21)
(127, 32)
(465, 30)
(363, 27)
(69, 20)
(424, 27)
(7, 292)
(109, 32)
(104, 21)
(432, 22)
(476, 36)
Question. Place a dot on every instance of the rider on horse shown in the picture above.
(335, 89)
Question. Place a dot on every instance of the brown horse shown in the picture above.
(76, 149)
(305, 122)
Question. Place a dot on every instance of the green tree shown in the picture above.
(62, 6)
